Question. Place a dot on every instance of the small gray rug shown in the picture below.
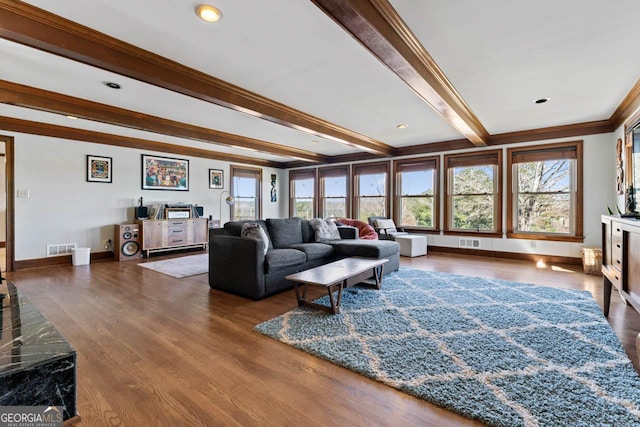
(180, 267)
(504, 353)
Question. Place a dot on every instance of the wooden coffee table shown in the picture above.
(334, 276)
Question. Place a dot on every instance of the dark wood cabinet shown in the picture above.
(621, 259)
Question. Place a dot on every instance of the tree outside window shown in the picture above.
(545, 196)
(473, 192)
(246, 190)
(303, 198)
(416, 188)
(302, 184)
(334, 202)
(371, 188)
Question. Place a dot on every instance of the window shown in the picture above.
(371, 184)
(302, 184)
(545, 191)
(416, 193)
(473, 193)
(246, 189)
(334, 192)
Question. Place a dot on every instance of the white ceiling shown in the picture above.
(500, 55)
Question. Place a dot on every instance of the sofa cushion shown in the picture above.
(308, 235)
(279, 258)
(285, 232)
(314, 250)
(324, 230)
(235, 228)
(253, 230)
(366, 248)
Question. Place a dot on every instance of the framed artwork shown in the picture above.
(216, 178)
(99, 169)
(164, 173)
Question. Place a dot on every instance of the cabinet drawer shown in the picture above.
(616, 229)
(177, 239)
(177, 223)
(615, 277)
(616, 252)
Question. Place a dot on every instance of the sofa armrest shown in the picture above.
(236, 265)
(348, 232)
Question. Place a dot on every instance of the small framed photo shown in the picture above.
(99, 169)
(216, 178)
(164, 173)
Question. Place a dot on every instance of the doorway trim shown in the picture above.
(9, 191)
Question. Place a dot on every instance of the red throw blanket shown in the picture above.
(365, 231)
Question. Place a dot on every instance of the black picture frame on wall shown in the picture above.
(164, 173)
(99, 169)
(216, 178)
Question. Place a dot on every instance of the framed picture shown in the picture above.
(164, 173)
(99, 169)
(215, 178)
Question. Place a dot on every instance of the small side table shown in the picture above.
(412, 245)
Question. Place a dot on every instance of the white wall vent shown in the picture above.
(60, 249)
(469, 243)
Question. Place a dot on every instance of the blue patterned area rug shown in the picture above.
(504, 353)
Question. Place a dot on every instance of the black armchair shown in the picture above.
(385, 228)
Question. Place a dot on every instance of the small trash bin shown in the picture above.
(592, 260)
(80, 256)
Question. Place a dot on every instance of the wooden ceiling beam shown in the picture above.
(39, 99)
(63, 132)
(37, 28)
(379, 28)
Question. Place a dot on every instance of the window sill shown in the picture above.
(549, 237)
(473, 233)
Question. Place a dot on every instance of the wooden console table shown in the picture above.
(621, 259)
(169, 234)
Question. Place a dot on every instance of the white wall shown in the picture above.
(599, 191)
(64, 208)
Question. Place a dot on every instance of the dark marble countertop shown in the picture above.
(27, 339)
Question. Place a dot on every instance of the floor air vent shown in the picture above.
(469, 243)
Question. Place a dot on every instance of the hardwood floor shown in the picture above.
(158, 351)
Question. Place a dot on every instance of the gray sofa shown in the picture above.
(239, 265)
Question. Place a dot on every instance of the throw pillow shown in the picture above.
(285, 232)
(253, 230)
(388, 224)
(324, 230)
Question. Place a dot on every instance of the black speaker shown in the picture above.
(141, 212)
(126, 241)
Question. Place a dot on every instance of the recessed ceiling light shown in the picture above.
(313, 141)
(541, 100)
(402, 126)
(112, 85)
(208, 13)
(71, 117)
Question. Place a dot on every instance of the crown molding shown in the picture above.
(627, 107)
(34, 27)
(553, 132)
(379, 28)
(44, 129)
(39, 99)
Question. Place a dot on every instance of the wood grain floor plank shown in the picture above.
(155, 351)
